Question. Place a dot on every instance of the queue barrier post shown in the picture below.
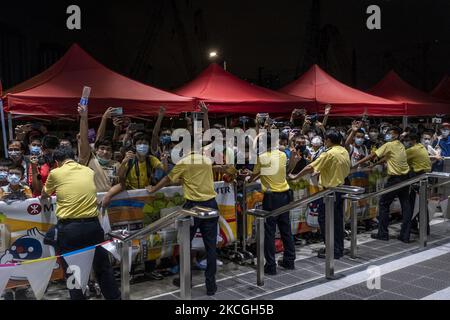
(260, 250)
(184, 227)
(423, 212)
(329, 238)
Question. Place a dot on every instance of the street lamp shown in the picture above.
(214, 55)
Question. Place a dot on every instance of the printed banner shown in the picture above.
(5, 273)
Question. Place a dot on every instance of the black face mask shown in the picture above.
(48, 158)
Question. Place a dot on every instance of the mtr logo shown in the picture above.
(34, 209)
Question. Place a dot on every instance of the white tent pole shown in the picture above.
(2, 114)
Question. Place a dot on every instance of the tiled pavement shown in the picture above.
(238, 282)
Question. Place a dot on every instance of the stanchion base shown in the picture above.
(335, 277)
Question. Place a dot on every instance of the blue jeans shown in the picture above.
(208, 229)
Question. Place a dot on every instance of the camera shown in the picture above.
(436, 120)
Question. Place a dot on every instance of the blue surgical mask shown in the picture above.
(15, 155)
(3, 175)
(35, 150)
(359, 141)
(103, 162)
(388, 137)
(13, 179)
(445, 133)
(165, 140)
(142, 149)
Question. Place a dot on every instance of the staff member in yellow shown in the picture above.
(271, 168)
(394, 153)
(78, 225)
(333, 167)
(196, 174)
(420, 163)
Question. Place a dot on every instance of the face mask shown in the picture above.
(445, 133)
(15, 155)
(142, 149)
(13, 179)
(373, 135)
(384, 131)
(3, 175)
(359, 141)
(165, 140)
(35, 150)
(311, 135)
(388, 137)
(407, 144)
(426, 142)
(103, 162)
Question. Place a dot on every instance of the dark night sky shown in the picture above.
(415, 37)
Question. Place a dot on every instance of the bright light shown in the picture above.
(213, 54)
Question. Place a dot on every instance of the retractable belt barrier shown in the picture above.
(182, 218)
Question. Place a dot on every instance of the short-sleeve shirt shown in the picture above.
(135, 182)
(333, 166)
(272, 167)
(395, 154)
(418, 158)
(76, 195)
(105, 176)
(196, 175)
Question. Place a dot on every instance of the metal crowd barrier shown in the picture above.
(329, 195)
(423, 196)
(182, 217)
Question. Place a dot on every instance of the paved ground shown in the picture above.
(407, 272)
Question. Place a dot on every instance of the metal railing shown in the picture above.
(423, 196)
(329, 195)
(182, 218)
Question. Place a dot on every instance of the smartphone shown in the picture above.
(116, 112)
(137, 126)
(197, 116)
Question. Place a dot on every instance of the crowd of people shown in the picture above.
(41, 163)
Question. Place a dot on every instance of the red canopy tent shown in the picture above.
(318, 85)
(442, 90)
(57, 91)
(226, 93)
(418, 103)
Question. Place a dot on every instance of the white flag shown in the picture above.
(112, 248)
(79, 265)
(5, 274)
(38, 274)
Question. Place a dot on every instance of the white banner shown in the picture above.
(38, 274)
(5, 274)
(79, 266)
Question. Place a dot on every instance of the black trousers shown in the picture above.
(74, 235)
(412, 201)
(208, 229)
(385, 203)
(338, 223)
(272, 201)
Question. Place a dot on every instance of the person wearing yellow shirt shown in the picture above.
(394, 153)
(271, 169)
(78, 225)
(420, 163)
(333, 166)
(195, 172)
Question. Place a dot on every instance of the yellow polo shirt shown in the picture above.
(272, 166)
(133, 182)
(418, 158)
(196, 175)
(333, 166)
(395, 154)
(76, 195)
